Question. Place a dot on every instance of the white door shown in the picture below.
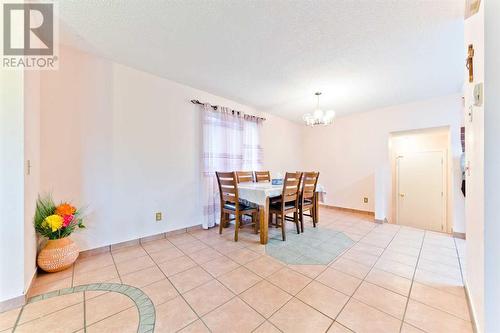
(420, 190)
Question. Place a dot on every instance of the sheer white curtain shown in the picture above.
(230, 143)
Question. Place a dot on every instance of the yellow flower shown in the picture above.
(54, 222)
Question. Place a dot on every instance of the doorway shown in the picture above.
(420, 190)
(420, 178)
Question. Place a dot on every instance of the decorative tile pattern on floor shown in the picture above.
(142, 301)
(312, 247)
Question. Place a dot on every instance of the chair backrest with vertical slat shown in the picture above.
(291, 185)
(309, 182)
(244, 176)
(262, 176)
(228, 187)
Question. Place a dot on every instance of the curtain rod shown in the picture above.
(195, 101)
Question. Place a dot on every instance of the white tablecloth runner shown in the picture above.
(258, 192)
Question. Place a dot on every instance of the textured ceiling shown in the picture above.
(273, 55)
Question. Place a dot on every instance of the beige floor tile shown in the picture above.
(369, 249)
(441, 300)
(338, 328)
(196, 327)
(66, 320)
(143, 277)
(95, 276)
(243, 256)
(311, 271)
(205, 255)
(207, 297)
(239, 279)
(219, 266)
(360, 257)
(267, 327)
(265, 297)
(93, 262)
(438, 281)
(362, 318)
(8, 319)
(181, 238)
(264, 266)
(133, 265)
(297, 316)
(192, 247)
(400, 257)
(395, 267)
(381, 299)
(289, 280)
(161, 291)
(342, 282)
(433, 320)
(407, 328)
(233, 316)
(106, 305)
(51, 286)
(445, 270)
(157, 245)
(127, 253)
(177, 265)
(174, 315)
(190, 279)
(323, 298)
(43, 308)
(166, 254)
(124, 322)
(389, 281)
(45, 278)
(351, 267)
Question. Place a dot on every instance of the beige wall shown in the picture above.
(127, 144)
(474, 145)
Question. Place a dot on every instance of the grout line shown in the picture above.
(412, 280)
(84, 312)
(18, 318)
(116, 267)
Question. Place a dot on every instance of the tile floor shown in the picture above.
(391, 279)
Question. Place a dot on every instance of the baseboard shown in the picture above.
(379, 221)
(162, 235)
(471, 309)
(12, 303)
(350, 210)
(460, 235)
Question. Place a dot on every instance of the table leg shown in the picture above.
(264, 223)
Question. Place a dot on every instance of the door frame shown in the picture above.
(444, 166)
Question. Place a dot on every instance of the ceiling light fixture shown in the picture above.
(319, 117)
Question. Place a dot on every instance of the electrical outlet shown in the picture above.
(158, 216)
(365, 200)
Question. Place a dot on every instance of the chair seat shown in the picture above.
(277, 206)
(307, 202)
(232, 206)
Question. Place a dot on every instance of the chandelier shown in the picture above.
(318, 116)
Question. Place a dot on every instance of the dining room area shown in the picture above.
(254, 167)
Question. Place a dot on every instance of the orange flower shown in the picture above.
(65, 209)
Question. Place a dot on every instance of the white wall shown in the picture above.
(127, 144)
(474, 145)
(492, 166)
(353, 154)
(11, 185)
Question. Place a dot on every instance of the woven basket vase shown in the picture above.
(57, 255)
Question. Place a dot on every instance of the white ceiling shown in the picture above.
(274, 54)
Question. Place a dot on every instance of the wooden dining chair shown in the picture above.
(289, 203)
(307, 200)
(262, 176)
(244, 176)
(230, 204)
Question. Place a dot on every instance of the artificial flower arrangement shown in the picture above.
(56, 223)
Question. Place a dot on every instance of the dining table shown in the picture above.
(261, 193)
